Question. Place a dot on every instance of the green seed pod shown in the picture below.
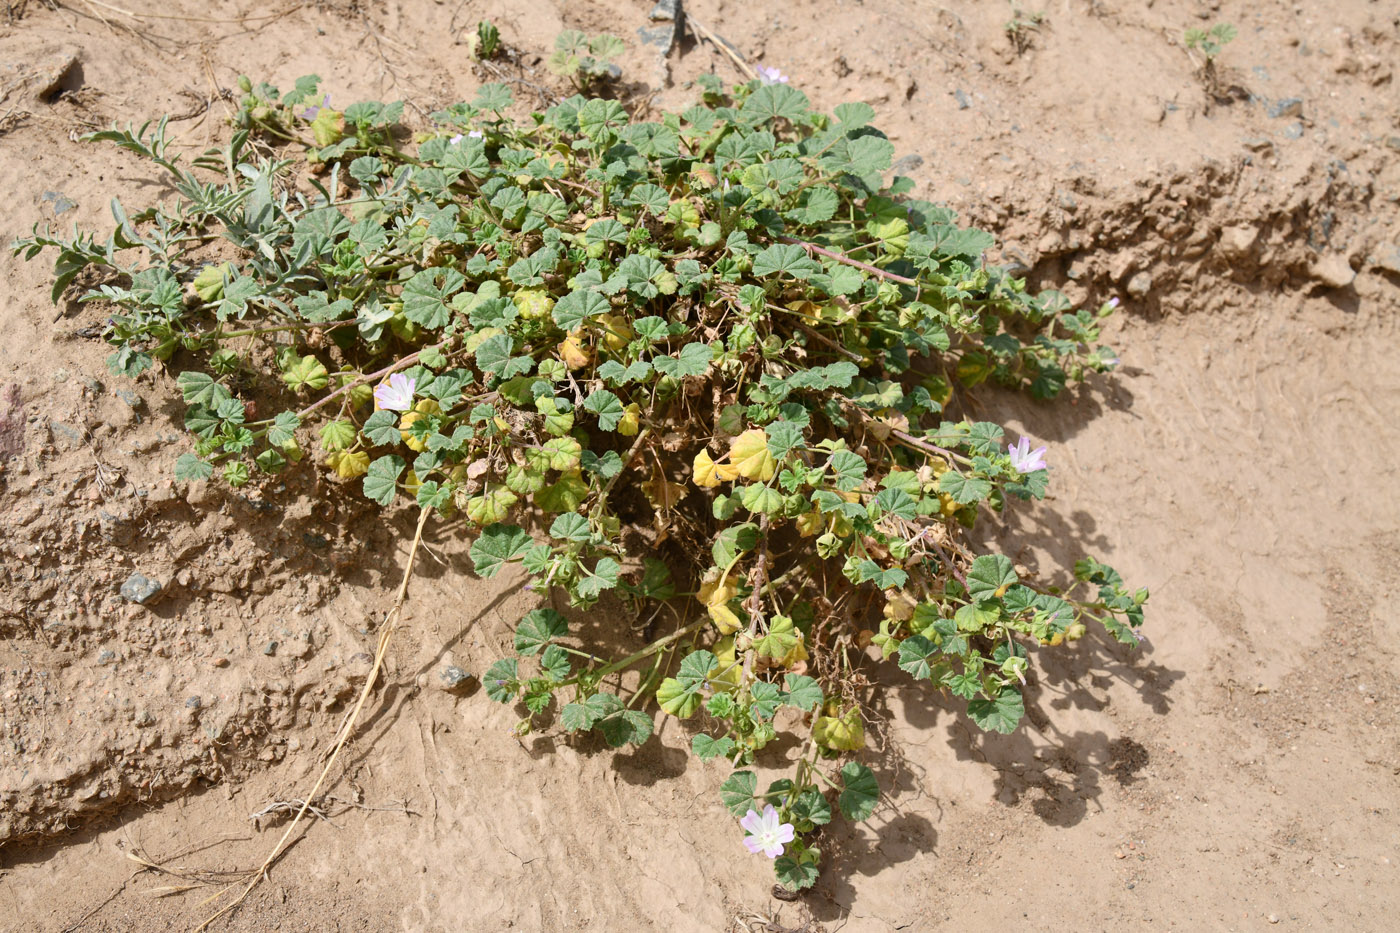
(667, 387)
(245, 84)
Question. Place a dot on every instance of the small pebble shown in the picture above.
(140, 589)
(1140, 284)
(453, 678)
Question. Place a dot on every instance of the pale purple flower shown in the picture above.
(770, 75)
(766, 833)
(1025, 460)
(310, 112)
(397, 395)
(471, 134)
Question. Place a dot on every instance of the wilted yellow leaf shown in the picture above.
(349, 465)
(717, 591)
(661, 492)
(810, 523)
(705, 475)
(631, 420)
(898, 605)
(724, 618)
(573, 355)
(750, 457)
(617, 331)
(846, 734)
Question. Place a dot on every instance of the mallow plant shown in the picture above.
(699, 368)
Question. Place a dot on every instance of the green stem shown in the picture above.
(634, 658)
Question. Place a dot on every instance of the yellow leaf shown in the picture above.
(349, 465)
(898, 605)
(404, 423)
(617, 332)
(846, 734)
(810, 523)
(716, 590)
(798, 653)
(631, 420)
(705, 475)
(725, 620)
(750, 457)
(572, 353)
(726, 674)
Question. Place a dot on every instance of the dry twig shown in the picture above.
(386, 633)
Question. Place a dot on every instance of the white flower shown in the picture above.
(1025, 460)
(397, 394)
(767, 834)
(770, 75)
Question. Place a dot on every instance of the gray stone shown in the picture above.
(961, 97)
(1140, 284)
(1332, 270)
(1016, 262)
(907, 164)
(1293, 130)
(134, 401)
(107, 657)
(193, 703)
(1288, 107)
(270, 648)
(62, 204)
(140, 589)
(454, 679)
(71, 437)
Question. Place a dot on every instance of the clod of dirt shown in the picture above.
(1387, 258)
(11, 421)
(1237, 242)
(1333, 271)
(40, 74)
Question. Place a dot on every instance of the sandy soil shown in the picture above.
(1241, 772)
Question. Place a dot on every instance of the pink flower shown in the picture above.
(766, 833)
(397, 394)
(770, 75)
(473, 134)
(1025, 460)
(310, 112)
